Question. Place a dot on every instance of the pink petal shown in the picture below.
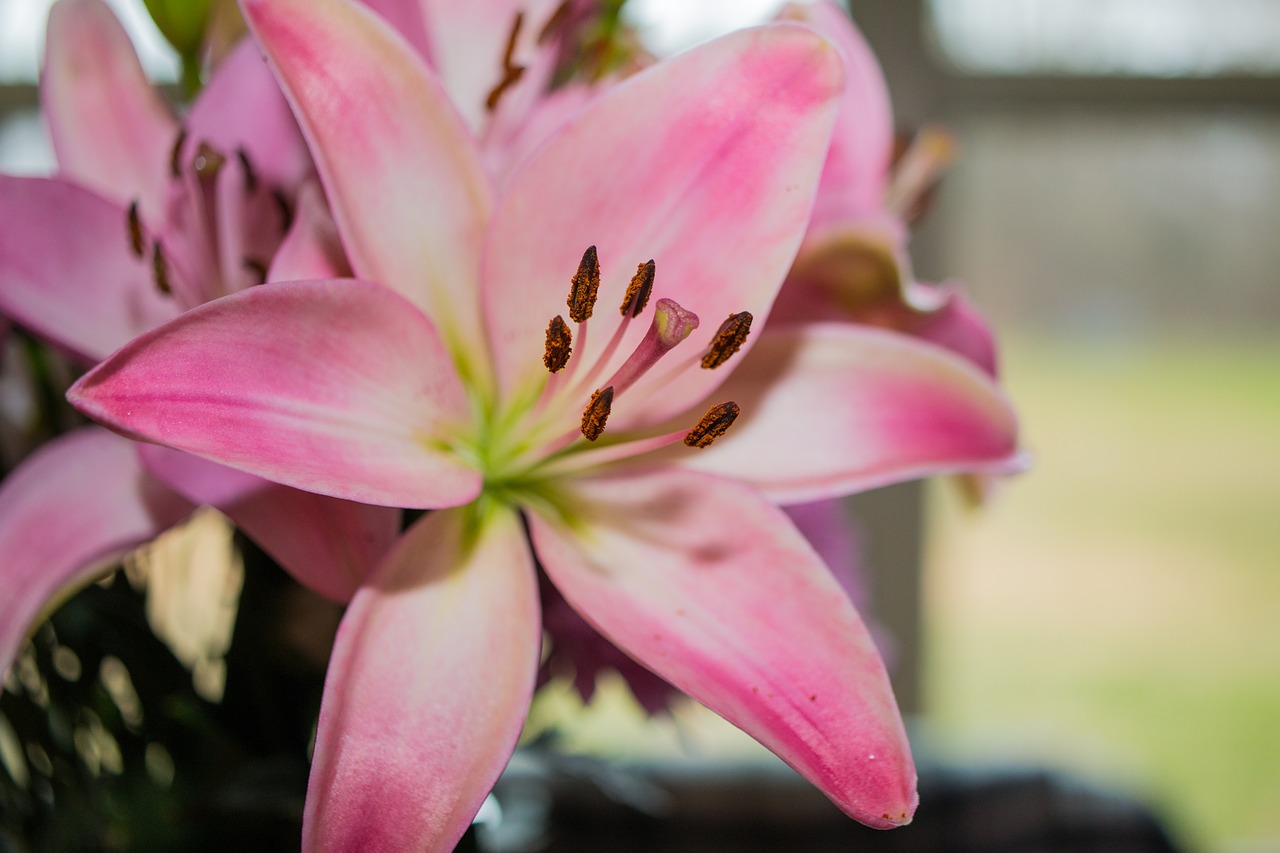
(711, 587)
(406, 17)
(427, 689)
(312, 249)
(832, 409)
(857, 168)
(403, 178)
(512, 139)
(831, 530)
(958, 326)
(67, 270)
(337, 387)
(243, 108)
(848, 271)
(72, 507)
(706, 163)
(327, 544)
(111, 130)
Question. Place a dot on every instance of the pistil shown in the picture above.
(671, 325)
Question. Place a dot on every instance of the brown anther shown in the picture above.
(638, 290)
(559, 344)
(160, 269)
(582, 290)
(596, 413)
(207, 162)
(729, 338)
(511, 73)
(714, 423)
(137, 242)
(175, 154)
(250, 176)
(257, 267)
(286, 212)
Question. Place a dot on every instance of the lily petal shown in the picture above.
(243, 109)
(110, 129)
(403, 177)
(856, 172)
(428, 688)
(831, 409)
(706, 163)
(711, 587)
(56, 534)
(67, 270)
(337, 387)
(327, 544)
(405, 16)
(958, 326)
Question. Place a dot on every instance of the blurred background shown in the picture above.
(1115, 209)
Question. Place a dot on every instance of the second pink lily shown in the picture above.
(448, 377)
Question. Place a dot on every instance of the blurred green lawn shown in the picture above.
(1117, 610)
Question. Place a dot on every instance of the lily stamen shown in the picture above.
(250, 175)
(714, 423)
(175, 154)
(637, 297)
(559, 345)
(137, 241)
(160, 269)
(639, 290)
(597, 413)
(207, 162)
(729, 338)
(511, 73)
(584, 287)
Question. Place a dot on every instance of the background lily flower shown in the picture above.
(447, 378)
(149, 216)
(853, 265)
(498, 61)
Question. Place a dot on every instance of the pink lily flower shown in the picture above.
(496, 59)
(446, 377)
(145, 219)
(853, 265)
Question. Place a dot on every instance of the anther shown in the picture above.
(596, 413)
(638, 290)
(208, 161)
(714, 423)
(160, 269)
(136, 240)
(282, 205)
(257, 267)
(559, 344)
(582, 290)
(729, 338)
(175, 154)
(511, 73)
(250, 176)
